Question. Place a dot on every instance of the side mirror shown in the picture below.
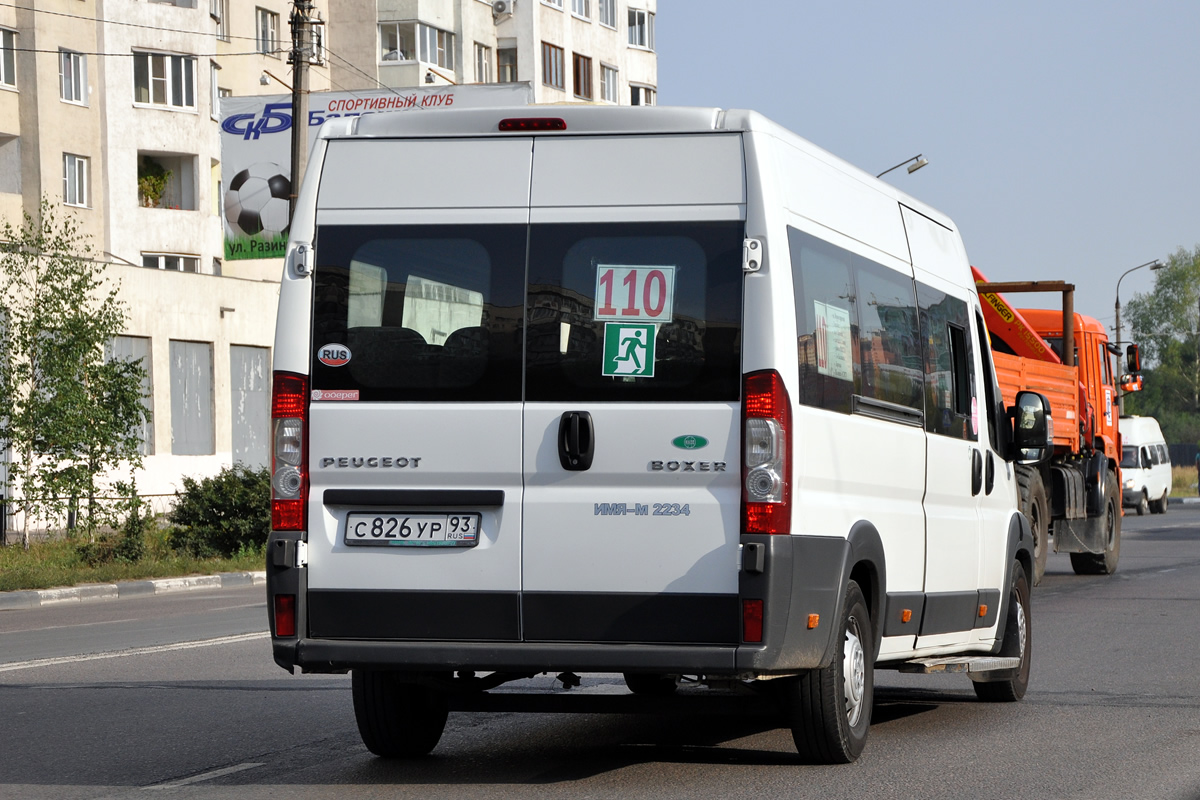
(1033, 428)
(1133, 359)
(1131, 383)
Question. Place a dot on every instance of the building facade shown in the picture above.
(110, 110)
(598, 51)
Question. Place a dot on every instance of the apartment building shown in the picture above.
(110, 109)
(599, 51)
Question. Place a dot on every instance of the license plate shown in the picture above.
(413, 530)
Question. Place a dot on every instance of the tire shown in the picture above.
(1159, 506)
(1143, 506)
(829, 709)
(1110, 521)
(397, 719)
(1036, 508)
(651, 684)
(1010, 685)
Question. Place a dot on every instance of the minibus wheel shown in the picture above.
(397, 718)
(829, 709)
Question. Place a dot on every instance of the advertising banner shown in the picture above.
(256, 147)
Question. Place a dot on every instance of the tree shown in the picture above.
(70, 413)
(1166, 324)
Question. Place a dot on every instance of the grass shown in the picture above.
(1183, 481)
(58, 561)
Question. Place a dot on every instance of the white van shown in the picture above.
(1145, 465)
(667, 392)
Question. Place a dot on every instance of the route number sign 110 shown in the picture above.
(634, 294)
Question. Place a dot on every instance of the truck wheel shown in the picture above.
(651, 684)
(1036, 509)
(829, 709)
(1104, 563)
(397, 719)
(1143, 506)
(1010, 685)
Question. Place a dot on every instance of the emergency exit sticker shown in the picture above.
(628, 350)
(634, 294)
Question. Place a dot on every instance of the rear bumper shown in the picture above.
(796, 578)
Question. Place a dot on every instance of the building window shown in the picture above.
(581, 8)
(72, 73)
(641, 96)
(581, 76)
(556, 3)
(397, 41)
(164, 80)
(250, 404)
(8, 58)
(173, 262)
(506, 60)
(437, 46)
(192, 399)
(267, 32)
(219, 10)
(167, 180)
(316, 44)
(137, 349)
(75, 180)
(641, 28)
(10, 164)
(483, 63)
(608, 83)
(214, 96)
(552, 65)
(608, 12)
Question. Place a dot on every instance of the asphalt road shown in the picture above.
(176, 695)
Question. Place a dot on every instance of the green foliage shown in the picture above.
(58, 562)
(71, 414)
(152, 180)
(224, 514)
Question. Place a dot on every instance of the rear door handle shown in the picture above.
(576, 441)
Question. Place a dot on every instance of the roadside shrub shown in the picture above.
(221, 515)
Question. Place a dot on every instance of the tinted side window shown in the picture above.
(888, 334)
(826, 322)
(949, 359)
(858, 329)
(625, 311)
(419, 312)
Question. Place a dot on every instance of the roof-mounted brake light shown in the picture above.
(528, 124)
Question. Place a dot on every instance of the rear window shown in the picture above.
(419, 312)
(635, 312)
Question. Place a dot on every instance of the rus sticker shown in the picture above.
(333, 355)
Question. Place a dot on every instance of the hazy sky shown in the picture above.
(1063, 137)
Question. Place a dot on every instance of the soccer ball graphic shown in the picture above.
(257, 201)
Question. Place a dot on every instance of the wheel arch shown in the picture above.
(867, 566)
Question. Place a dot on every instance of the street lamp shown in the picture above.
(918, 162)
(1153, 265)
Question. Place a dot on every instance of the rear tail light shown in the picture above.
(766, 456)
(289, 466)
(752, 620)
(525, 124)
(285, 615)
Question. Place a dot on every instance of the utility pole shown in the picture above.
(302, 42)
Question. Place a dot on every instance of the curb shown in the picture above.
(95, 592)
(1183, 501)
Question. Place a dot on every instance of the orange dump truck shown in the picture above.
(1073, 501)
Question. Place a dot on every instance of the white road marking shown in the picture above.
(205, 776)
(136, 651)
